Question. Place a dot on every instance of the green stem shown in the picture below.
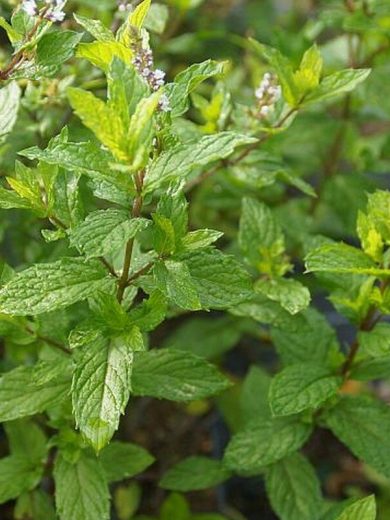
(136, 212)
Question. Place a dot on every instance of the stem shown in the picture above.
(20, 57)
(136, 212)
(49, 341)
(366, 325)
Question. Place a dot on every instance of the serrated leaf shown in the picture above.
(35, 504)
(301, 387)
(292, 295)
(125, 89)
(336, 84)
(95, 27)
(195, 473)
(342, 258)
(200, 239)
(187, 81)
(174, 279)
(375, 343)
(371, 369)
(102, 119)
(220, 280)
(86, 158)
(105, 231)
(9, 106)
(364, 509)
(17, 475)
(27, 440)
(101, 53)
(81, 489)
(306, 337)
(363, 424)
(179, 161)
(307, 77)
(265, 442)
(260, 236)
(47, 287)
(54, 49)
(122, 460)
(294, 489)
(175, 375)
(150, 313)
(28, 390)
(101, 387)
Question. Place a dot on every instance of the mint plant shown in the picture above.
(140, 196)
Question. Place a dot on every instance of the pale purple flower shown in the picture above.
(30, 7)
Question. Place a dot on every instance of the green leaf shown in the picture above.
(292, 295)
(254, 402)
(101, 53)
(47, 287)
(9, 106)
(371, 369)
(375, 343)
(17, 475)
(95, 27)
(301, 387)
(28, 390)
(35, 504)
(175, 507)
(261, 238)
(294, 489)
(125, 89)
(102, 119)
(205, 337)
(195, 473)
(141, 130)
(86, 158)
(130, 30)
(13, 35)
(150, 313)
(101, 387)
(283, 69)
(342, 258)
(307, 77)
(369, 236)
(81, 489)
(336, 84)
(164, 240)
(174, 279)
(363, 424)
(265, 442)
(105, 231)
(305, 338)
(180, 160)
(175, 375)
(187, 81)
(220, 280)
(54, 49)
(26, 440)
(364, 509)
(200, 239)
(378, 212)
(122, 460)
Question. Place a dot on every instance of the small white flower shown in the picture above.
(265, 110)
(164, 104)
(30, 7)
